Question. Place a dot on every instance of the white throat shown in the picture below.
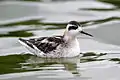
(70, 36)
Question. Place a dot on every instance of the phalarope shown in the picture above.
(57, 46)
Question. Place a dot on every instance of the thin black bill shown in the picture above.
(86, 33)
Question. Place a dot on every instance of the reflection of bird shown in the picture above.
(57, 46)
(67, 64)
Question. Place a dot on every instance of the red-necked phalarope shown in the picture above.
(57, 46)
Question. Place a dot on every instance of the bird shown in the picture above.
(66, 45)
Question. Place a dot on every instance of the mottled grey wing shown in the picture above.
(47, 44)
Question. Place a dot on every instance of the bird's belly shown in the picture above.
(65, 52)
(71, 52)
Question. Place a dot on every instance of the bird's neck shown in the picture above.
(68, 37)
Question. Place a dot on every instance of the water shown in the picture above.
(100, 56)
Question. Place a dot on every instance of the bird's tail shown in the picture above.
(32, 48)
(26, 43)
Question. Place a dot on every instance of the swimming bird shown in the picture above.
(66, 45)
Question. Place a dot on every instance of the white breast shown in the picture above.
(73, 49)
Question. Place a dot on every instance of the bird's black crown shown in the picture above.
(75, 25)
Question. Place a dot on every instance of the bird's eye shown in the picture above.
(72, 27)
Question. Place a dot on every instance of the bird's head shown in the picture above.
(74, 28)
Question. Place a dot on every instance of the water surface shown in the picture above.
(99, 58)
